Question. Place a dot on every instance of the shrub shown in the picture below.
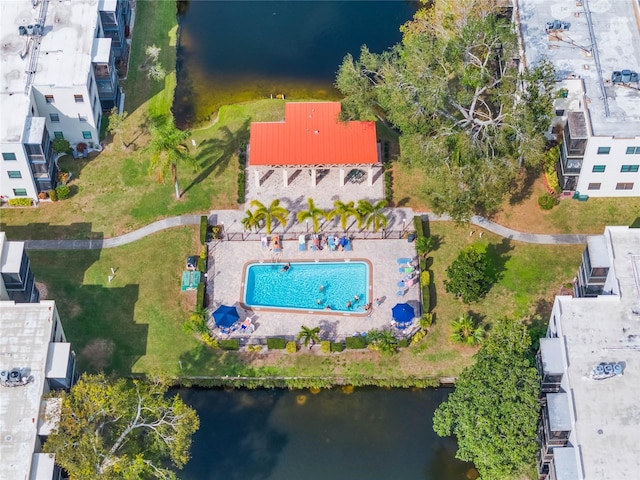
(20, 202)
(292, 347)
(426, 298)
(216, 231)
(63, 192)
(81, 147)
(417, 226)
(337, 346)
(42, 196)
(547, 201)
(254, 348)
(419, 335)
(425, 278)
(229, 344)
(200, 295)
(209, 340)
(201, 265)
(53, 195)
(62, 176)
(60, 145)
(204, 225)
(403, 343)
(276, 343)
(356, 343)
(325, 346)
(426, 321)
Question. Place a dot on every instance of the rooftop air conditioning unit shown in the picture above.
(22, 30)
(30, 29)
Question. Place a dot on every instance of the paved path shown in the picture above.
(541, 239)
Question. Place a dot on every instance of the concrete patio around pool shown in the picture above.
(227, 259)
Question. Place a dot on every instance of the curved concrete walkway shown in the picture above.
(541, 239)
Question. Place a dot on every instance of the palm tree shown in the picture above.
(273, 212)
(344, 211)
(168, 148)
(383, 341)
(250, 221)
(313, 213)
(465, 331)
(371, 214)
(310, 335)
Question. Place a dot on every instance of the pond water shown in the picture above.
(279, 434)
(234, 51)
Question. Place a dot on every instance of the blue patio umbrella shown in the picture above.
(403, 313)
(225, 316)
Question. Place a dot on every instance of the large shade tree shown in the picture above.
(122, 429)
(168, 149)
(494, 409)
(453, 90)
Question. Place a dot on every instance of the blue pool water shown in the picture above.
(266, 285)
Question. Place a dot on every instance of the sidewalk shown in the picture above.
(231, 219)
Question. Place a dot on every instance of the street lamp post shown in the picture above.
(307, 226)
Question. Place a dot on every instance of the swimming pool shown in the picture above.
(308, 286)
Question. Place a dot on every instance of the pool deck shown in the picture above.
(228, 258)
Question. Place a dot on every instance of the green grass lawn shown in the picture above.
(113, 193)
(133, 324)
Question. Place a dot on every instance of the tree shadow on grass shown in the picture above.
(524, 189)
(214, 154)
(497, 259)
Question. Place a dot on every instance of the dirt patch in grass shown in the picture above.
(97, 354)
(526, 215)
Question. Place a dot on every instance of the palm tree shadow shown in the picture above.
(216, 153)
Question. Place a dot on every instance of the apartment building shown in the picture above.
(589, 364)
(35, 358)
(595, 49)
(17, 282)
(58, 61)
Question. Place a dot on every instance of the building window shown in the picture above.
(20, 192)
(624, 186)
(598, 168)
(87, 135)
(604, 150)
(594, 186)
(58, 135)
(629, 168)
(14, 174)
(49, 98)
(54, 117)
(8, 156)
(633, 150)
(82, 118)
(78, 98)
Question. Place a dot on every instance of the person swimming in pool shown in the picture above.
(285, 267)
(356, 298)
(349, 304)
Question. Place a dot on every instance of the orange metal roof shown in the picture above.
(312, 134)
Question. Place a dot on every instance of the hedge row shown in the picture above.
(204, 226)
(200, 295)
(276, 343)
(229, 344)
(20, 202)
(426, 287)
(242, 180)
(356, 343)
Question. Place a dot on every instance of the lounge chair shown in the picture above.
(401, 284)
(347, 246)
(401, 293)
(410, 282)
(302, 243)
(404, 261)
(331, 243)
(406, 269)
